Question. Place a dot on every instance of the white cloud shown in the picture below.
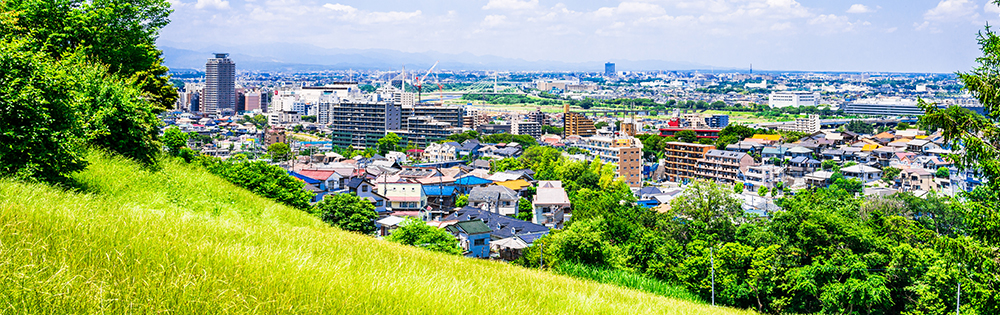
(494, 20)
(781, 26)
(510, 5)
(341, 8)
(991, 7)
(859, 8)
(218, 4)
(352, 14)
(951, 10)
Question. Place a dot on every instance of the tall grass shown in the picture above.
(183, 241)
(626, 279)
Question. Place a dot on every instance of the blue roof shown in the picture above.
(472, 180)
(439, 190)
(303, 178)
(773, 150)
(648, 203)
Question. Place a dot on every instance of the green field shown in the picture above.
(182, 241)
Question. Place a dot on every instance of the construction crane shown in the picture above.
(420, 81)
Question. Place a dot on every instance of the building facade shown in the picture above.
(681, 159)
(793, 99)
(724, 166)
(220, 85)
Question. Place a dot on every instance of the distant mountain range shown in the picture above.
(298, 57)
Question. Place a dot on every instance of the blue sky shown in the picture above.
(810, 35)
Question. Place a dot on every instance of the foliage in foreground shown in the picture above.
(625, 278)
(347, 212)
(183, 241)
(259, 177)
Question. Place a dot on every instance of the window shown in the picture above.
(479, 242)
(364, 188)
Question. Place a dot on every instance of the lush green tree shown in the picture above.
(706, 211)
(525, 211)
(309, 118)
(279, 151)
(506, 164)
(902, 126)
(120, 34)
(828, 164)
(39, 128)
(388, 143)
(706, 141)
(859, 127)
(114, 114)
(688, 136)
(942, 172)
(347, 212)
(851, 185)
(889, 174)
(462, 201)
(174, 139)
(524, 140)
(551, 130)
(739, 132)
(462, 137)
(762, 191)
(738, 188)
(414, 232)
(264, 179)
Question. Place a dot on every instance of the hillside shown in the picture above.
(182, 241)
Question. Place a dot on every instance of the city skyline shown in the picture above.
(891, 36)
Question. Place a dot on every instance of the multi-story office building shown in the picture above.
(609, 69)
(680, 160)
(538, 116)
(626, 152)
(530, 128)
(793, 99)
(251, 100)
(723, 166)
(220, 85)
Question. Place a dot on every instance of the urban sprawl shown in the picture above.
(434, 144)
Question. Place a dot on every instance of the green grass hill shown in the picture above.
(182, 241)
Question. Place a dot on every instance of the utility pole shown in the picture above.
(541, 255)
(712, 259)
(958, 298)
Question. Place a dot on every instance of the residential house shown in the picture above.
(551, 205)
(364, 189)
(441, 152)
(501, 226)
(865, 173)
(819, 179)
(917, 179)
(473, 236)
(385, 226)
(769, 153)
(404, 195)
(764, 176)
(801, 165)
(494, 198)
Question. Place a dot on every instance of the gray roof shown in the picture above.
(725, 154)
(501, 226)
(489, 194)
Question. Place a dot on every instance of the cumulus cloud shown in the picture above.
(349, 13)
(991, 7)
(217, 4)
(859, 8)
(510, 5)
(951, 10)
(494, 20)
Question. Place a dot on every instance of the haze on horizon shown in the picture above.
(807, 35)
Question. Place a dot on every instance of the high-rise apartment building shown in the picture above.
(609, 69)
(680, 160)
(626, 152)
(220, 85)
(577, 124)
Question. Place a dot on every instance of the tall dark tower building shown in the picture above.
(220, 86)
(609, 69)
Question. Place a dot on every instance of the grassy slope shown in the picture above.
(183, 241)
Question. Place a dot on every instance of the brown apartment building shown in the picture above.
(577, 124)
(681, 159)
(724, 166)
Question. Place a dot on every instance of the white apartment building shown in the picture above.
(809, 124)
(793, 98)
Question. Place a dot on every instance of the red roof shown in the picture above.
(317, 174)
